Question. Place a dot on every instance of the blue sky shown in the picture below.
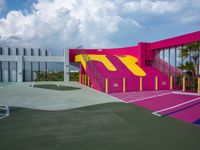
(57, 24)
(16, 5)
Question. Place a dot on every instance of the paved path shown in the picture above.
(24, 95)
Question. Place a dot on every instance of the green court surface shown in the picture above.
(3, 85)
(56, 87)
(109, 126)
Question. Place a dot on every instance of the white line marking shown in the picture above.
(186, 93)
(145, 92)
(156, 112)
(33, 83)
(57, 84)
(141, 99)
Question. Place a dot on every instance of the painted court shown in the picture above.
(43, 117)
(183, 106)
(128, 98)
(148, 75)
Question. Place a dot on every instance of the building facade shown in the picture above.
(24, 65)
(146, 66)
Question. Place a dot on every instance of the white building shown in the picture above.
(21, 64)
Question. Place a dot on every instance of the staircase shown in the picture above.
(98, 74)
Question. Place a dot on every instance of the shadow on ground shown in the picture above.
(56, 87)
(111, 126)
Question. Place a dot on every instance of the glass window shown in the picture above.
(56, 67)
(179, 59)
(35, 72)
(17, 51)
(161, 60)
(186, 58)
(27, 70)
(31, 52)
(156, 59)
(172, 57)
(55, 72)
(13, 71)
(5, 71)
(39, 52)
(199, 62)
(25, 53)
(166, 63)
(9, 51)
(1, 50)
(172, 61)
(42, 76)
(0, 71)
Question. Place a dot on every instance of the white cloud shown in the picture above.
(157, 7)
(59, 24)
(190, 12)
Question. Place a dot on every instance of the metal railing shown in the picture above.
(189, 84)
(4, 112)
(127, 84)
(94, 71)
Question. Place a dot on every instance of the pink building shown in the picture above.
(146, 66)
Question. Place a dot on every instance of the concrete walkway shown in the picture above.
(24, 95)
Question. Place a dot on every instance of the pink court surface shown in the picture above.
(180, 105)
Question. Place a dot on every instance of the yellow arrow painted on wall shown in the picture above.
(101, 58)
(130, 63)
(127, 60)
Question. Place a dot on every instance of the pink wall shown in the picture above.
(179, 40)
(134, 51)
(143, 51)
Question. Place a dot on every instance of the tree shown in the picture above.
(191, 67)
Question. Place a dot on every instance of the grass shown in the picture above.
(111, 126)
(55, 87)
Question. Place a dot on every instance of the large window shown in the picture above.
(166, 61)
(173, 57)
(43, 71)
(198, 68)
(55, 72)
(1, 51)
(179, 59)
(5, 76)
(0, 71)
(27, 71)
(186, 59)
(35, 70)
(161, 56)
(173, 61)
(13, 71)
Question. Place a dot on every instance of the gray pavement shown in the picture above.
(23, 95)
